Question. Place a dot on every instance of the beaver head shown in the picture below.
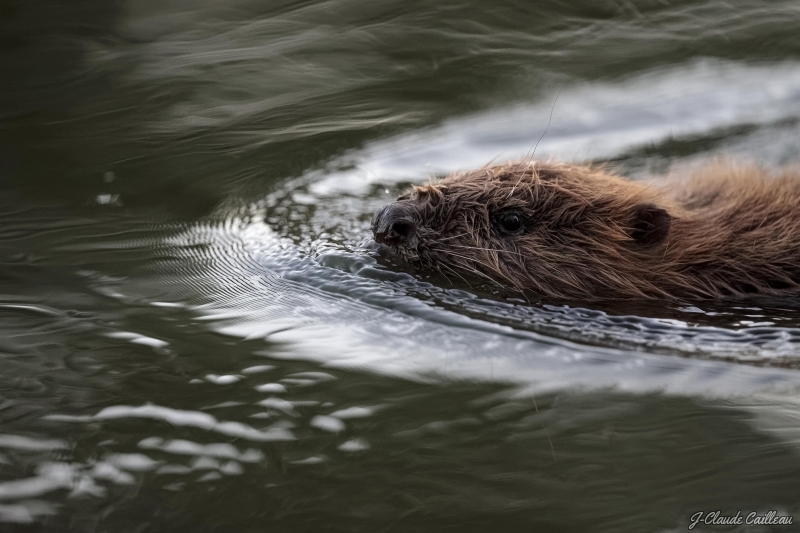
(551, 229)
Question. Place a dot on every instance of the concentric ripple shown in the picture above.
(342, 308)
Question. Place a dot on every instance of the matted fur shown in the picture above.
(732, 230)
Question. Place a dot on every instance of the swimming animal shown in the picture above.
(579, 231)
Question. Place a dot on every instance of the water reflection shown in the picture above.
(195, 334)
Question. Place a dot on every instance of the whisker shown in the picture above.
(488, 249)
(457, 274)
(451, 237)
(475, 271)
(547, 433)
(549, 121)
(443, 274)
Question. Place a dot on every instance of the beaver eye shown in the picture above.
(510, 223)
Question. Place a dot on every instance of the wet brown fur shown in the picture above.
(731, 230)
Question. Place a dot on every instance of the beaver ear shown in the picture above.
(650, 225)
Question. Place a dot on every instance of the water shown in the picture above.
(197, 333)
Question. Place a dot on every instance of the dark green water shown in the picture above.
(196, 333)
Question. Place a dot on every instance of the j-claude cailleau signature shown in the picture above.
(716, 518)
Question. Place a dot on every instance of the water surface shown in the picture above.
(197, 333)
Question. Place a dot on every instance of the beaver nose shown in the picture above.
(394, 224)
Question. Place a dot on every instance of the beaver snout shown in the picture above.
(394, 224)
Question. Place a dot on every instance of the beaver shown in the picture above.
(574, 231)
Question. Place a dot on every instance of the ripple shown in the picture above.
(222, 450)
(178, 417)
(258, 285)
(18, 442)
(591, 121)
